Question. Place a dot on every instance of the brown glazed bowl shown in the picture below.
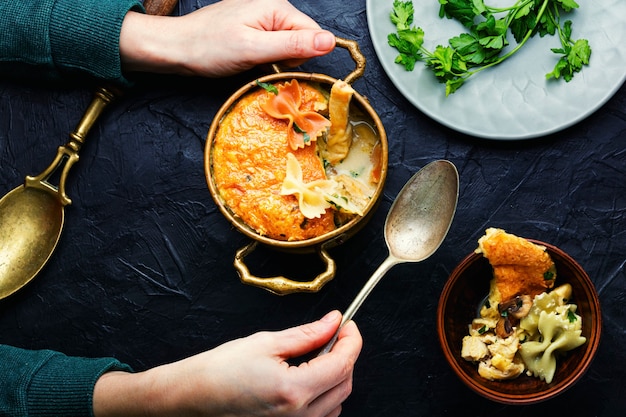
(279, 284)
(463, 293)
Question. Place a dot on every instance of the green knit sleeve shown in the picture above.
(48, 383)
(51, 39)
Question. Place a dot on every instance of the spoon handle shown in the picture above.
(359, 299)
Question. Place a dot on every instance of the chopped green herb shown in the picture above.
(482, 46)
(341, 197)
(482, 329)
(307, 138)
(571, 316)
(337, 199)
(267, 87)
(548, 275)
(505, 313)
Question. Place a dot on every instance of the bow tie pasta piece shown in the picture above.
(311, 196)
(555, 301)
(303, 126)
(315, 197)
(560, 332)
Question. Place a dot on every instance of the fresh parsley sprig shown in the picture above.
(482, 46)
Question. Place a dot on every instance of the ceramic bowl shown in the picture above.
(460, 299)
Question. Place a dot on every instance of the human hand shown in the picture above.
(222, 39)
(248, 376)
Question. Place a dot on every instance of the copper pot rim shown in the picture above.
(338, 235)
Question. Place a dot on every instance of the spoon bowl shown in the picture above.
(421, 214)
(30, 225)
(416, 225)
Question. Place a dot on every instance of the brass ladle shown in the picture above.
(32, 214)
(416, 225)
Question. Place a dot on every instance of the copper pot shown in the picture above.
(279, 284)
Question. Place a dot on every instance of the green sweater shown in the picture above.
(47, 383)
(54, 39)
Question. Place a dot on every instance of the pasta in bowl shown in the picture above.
(297, 162)
(562, 340)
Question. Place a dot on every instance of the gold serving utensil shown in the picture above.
(32, 214)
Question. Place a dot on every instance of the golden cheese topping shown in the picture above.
(249, 159)
(520, 267)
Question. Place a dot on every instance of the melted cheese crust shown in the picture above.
(249, 158)
(519, 266)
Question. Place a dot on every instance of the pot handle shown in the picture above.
(281, 285)
(355, 53)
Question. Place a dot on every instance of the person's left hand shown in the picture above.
(244, 377)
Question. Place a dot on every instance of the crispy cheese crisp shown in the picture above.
(249, 158)
(520, 267)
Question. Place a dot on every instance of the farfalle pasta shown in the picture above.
(312, 195)
(551, 327)
(304, 126)
(314, 198)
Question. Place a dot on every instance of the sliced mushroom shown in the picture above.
(510, 314)
(518, 307)
(504, 327)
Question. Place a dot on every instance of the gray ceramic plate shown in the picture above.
(512, 100)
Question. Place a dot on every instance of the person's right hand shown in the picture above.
(244, 377)
(221, 39)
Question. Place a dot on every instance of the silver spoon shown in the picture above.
(417, 223)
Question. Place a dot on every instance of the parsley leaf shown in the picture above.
(571, 317)
(270, 88)
(402, 14)
(305, 135)
(484, 43)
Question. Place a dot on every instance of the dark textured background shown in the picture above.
(143, 271)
